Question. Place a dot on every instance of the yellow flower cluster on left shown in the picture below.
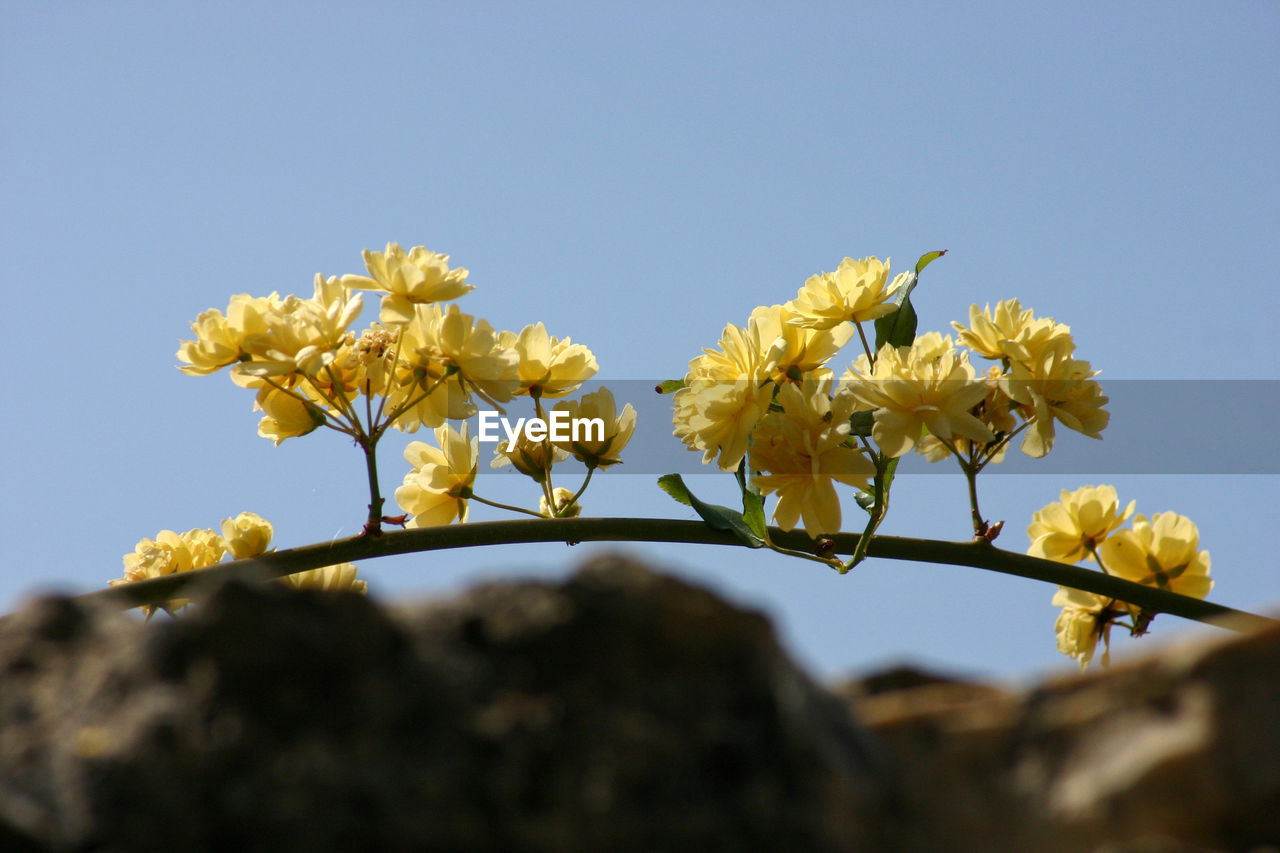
(1087, 524)
(246, 535)
(426, 363)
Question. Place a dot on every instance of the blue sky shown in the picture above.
(635, 176)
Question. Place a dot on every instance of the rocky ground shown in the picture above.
(618, 710)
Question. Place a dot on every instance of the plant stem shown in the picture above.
(977, 554)
(372, 527)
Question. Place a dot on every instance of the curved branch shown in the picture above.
(977, 554)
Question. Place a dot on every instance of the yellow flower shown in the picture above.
(802, 447)
(220, 339)
(1070, 530)
(566, 507)
(1085, 618)
(439, 343)
(717, 417)
(995, 411)
(302, 335)
(1161, 553)
(1056, 387)
(603, 430)
(548, 367)
(726, 393)
(338, 578)
(927, 385)
(531, 458)
(286, 416)
(417, 278)
(169, 553)
(855, 292)
(436, 490)
(1011, 332)
(246, 535)
(789, 352)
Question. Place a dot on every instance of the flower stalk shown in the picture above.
(977, 554)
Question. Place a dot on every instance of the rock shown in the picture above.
(1178, 751)
(619, 710)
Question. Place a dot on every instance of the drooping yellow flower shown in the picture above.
(855, 292)
(1162, 553)
(338, 578)
(534, 459)
(603, 431)
(1056, 387)
(169, 553)
(1070, 530)
(726, 393)
(793, 353)
(1011, 332)
(929, 385)
(302, 335)
(246, 535)
(548, 366)
(436, 490)
(412, 279)
(285, 415)
(802, 448)
(1085, 619)
(566, 507)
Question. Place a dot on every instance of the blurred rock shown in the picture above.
(619, 710)
(1179, 751)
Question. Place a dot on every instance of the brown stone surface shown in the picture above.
(618, 710)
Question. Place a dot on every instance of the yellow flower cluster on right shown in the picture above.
(1086, 524)
(925, 395)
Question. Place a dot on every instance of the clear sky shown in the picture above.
(636, 175)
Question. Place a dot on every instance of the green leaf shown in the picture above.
(718, 517)
(752, 502)
(899, 328)
(928, 258)
(669, 386)
(866, 500)
(674, 486)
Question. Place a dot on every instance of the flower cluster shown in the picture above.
(425, 363)
(910, 392)
(246, 535)
(1087, 524)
